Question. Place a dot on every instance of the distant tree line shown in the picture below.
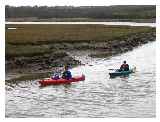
(100, 12)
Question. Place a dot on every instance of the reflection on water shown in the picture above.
(97, 96)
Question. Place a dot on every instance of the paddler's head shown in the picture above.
(124, 62)
(66, 67)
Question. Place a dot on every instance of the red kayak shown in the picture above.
(50, 81)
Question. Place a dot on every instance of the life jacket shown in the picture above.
(67, 75)
(124, 67)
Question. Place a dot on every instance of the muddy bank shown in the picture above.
(122, 45)
(108, 47)
(38, 66)
(39, 63)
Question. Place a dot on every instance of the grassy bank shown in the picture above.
(42, 34)
(38, 48)
(29, 40)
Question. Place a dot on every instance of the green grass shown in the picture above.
(25, 50)
(38, 34)
(36, 39)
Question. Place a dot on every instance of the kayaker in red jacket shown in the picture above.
(124, 67)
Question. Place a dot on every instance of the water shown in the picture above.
(11, 28)
(97, 96)
(104, 23)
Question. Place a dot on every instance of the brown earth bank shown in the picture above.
(39, 63)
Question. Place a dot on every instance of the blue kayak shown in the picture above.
(120, 73)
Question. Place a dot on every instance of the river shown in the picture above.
(97, 96)
(101, 23)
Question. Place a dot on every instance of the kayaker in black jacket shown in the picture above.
(124, 67)
(67, 74)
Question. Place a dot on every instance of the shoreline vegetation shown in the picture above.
(41, 49)
(132, 13)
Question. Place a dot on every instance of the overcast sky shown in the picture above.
(78, 2)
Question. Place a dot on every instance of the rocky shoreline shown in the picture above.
(125, 44)
(39, 63)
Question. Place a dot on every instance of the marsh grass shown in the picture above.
(34, 39)
(44, 33)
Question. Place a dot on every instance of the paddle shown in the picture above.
(112, 69)
(87, 64)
